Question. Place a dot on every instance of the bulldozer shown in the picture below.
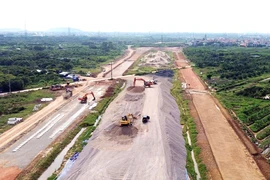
(84, 98)
(127, 120)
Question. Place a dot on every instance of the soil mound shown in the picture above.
(132, 97)
(117, 130)
(121, 134)
(135, 89)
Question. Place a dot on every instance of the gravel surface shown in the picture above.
(155, 150)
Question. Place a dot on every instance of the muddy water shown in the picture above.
(59, 159)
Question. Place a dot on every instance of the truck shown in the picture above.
(15, 120)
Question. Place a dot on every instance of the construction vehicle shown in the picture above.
(68, 93)
(56, 87)
(145, 119)
(15, 120)
(84, 98)
(154, 81)
(127, 120)
(146, 83)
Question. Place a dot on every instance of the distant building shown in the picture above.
(64, 74)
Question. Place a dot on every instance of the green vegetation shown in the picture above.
(36, 61)
(135, 69)
(240, 78)
(263, 134)
(190, 126)
(21, 105)
(87, 123)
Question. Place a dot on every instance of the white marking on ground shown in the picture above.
(31, 137)
(50, 126)
(217, 107)
(97, 120)
(93, 105)
(68, 122)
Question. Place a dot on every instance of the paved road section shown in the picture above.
(23, 151)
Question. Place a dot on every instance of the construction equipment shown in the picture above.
(154, 81)
(84, 98)
(56, 87)
(68, 93)
(145, 119)
(127, 120)
(146, 83)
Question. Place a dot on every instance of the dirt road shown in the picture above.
(121, 66)
(143, 151)
(232, 158)
(107, 68)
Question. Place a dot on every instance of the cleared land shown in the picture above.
(155, 150)
(231, 156)
(143, 151)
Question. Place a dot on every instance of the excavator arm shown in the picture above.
(141, 79)
(84, 98)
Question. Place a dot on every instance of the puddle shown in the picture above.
(59, 159)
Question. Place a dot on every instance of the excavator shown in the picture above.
(146, 83)
(84, 98)
(127, 120)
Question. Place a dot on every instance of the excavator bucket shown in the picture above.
(94, 99)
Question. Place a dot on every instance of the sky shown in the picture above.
(219, 16)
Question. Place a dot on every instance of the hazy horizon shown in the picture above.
(209, 16)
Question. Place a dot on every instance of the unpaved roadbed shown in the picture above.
(155, 150)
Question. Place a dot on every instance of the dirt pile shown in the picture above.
(122, 135)
(157, 59)
(9, 173)
(135, 89)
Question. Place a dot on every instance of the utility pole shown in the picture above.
(111, 71)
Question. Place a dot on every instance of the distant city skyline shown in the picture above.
(208, 16)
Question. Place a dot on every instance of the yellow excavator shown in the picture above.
(127, 120)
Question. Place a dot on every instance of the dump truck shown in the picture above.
(127, 120)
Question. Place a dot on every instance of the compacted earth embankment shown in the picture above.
(154, 150)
